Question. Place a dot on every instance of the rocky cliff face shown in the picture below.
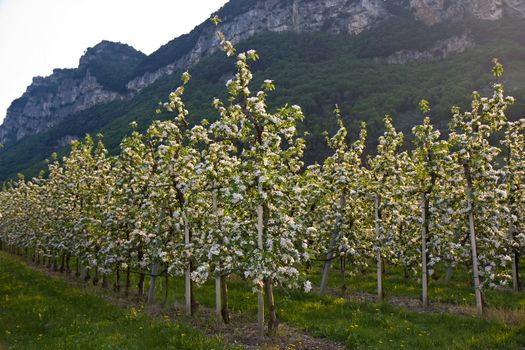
(440, 50)
(335, 16)
(436, 11)
(49, 100)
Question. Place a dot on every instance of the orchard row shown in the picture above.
(234, 197)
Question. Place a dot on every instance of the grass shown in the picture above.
(383, 326)
(458, 291)
(358, 325)
(40, 312)
(375, 325)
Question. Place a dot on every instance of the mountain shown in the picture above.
(372, 57)
(100, 78)
(243, 19)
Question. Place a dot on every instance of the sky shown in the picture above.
(39, 35)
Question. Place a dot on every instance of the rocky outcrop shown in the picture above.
(436, 11)
(335, 16)
(441, 49)
(48, 100)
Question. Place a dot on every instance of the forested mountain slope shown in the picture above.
(403, 53)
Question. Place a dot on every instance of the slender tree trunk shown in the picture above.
(140, 285)
(218, 299)
(152, 282)
(95, 278)
(128, 281)
(187, 275)
(475, 268)
(516, 285)
(142, 276)
(450, 271)
(62, 262)
(512, 233)
(116, 286)
(343, 273)
(77, 267)
(377, 217)
(330, 255)
(225, 312)
(68, 267)
(514, 262)
(272, 313)
(260, 245)
(105, 283)
(194, 303)
(424, 228)
(55, 264)
(87, 277)
(166, 287)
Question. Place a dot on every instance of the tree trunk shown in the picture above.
(424, 230)
(77, 267)
(272, 314)
(140, 285)
(260, 294)
(152, 282)
(62, 262)
(450, 271)
(87, 276)
(166, 287)
(68, 260)
(377, 216)
(95, 278)
(116, 286)
(128, 281)
(475, 269)
(330, 255)
(187, 275)
(224, 295)
(105, 283)
(516, 285)
(343, 273)
(218, 289)
(515, 261)
(218, 299)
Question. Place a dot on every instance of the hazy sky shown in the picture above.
(39, 35)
